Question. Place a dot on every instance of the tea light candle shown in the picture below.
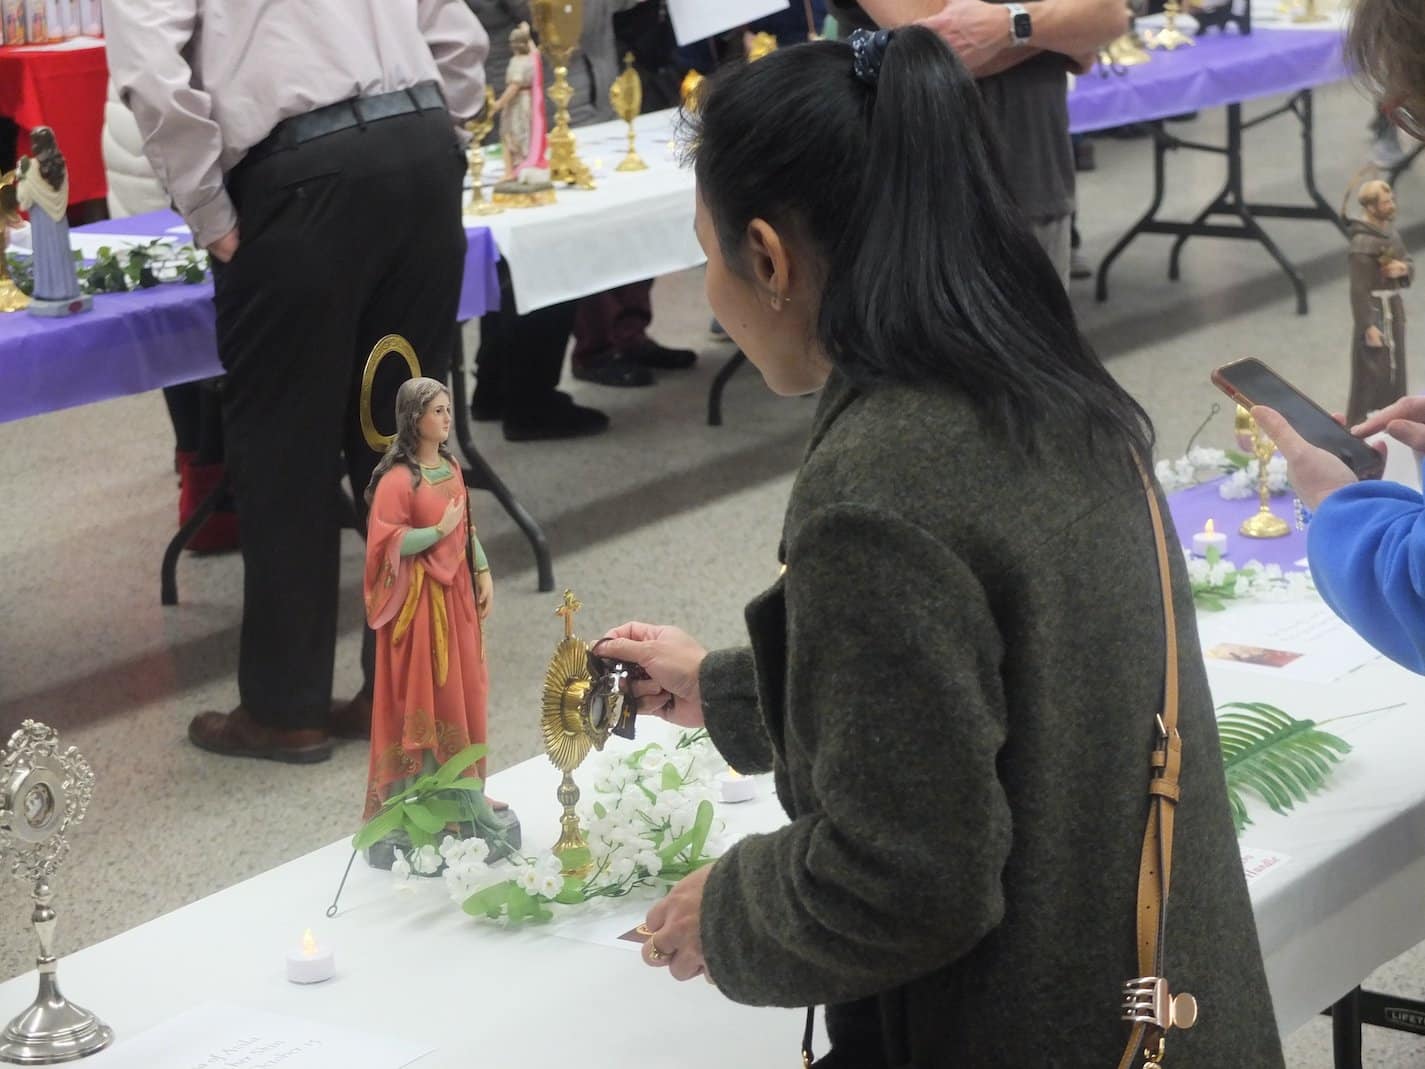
(734, 787)
(310, 964)
(1209, 538)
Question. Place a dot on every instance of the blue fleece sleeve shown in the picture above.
(1366, 547)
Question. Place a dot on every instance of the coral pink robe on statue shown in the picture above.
(431, 684)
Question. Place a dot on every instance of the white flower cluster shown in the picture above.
(538, 877)
(424, 860)
(639, 815)
(1243, 482)
(465, 868)
(1199, 466)
(1265, 582)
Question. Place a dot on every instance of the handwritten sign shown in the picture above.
(219, 1036)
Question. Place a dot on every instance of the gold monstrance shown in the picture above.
(480, 128)
(626, 95)
(11, 299)
(567, 725)
(1264, 523)
(1170, 37)
(559, 24)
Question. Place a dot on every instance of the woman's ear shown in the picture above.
(768, 258)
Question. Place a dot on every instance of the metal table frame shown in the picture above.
(1232, 200)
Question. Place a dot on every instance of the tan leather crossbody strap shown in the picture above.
(1155, 865)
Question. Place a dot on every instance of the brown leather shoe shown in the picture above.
(352, 720)
(237, 734)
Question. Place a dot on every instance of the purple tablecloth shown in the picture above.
(1192, 508)
(1220, 69)
(134, 342)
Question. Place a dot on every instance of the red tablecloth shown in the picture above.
(63, 89)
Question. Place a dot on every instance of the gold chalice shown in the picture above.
(559, 24)
(480, 128)
(626, 95)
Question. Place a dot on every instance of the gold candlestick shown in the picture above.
(1308, 13)
(559, 24)
(1265, 524)
(480, 128)
(1170, 37)
(626, 95)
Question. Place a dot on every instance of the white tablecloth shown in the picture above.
(634, 226)
(1350, 897)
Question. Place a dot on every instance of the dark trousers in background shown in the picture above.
(521, 357)
(612, 320)
(344, 239)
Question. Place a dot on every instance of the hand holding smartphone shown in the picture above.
(1250, 382)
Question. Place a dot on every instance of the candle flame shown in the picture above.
(1208, 528)
(309, 944)
(732, 773)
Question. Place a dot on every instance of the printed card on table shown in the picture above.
(1258, 863)
(217, 1036)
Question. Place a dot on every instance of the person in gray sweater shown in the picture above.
(957, 676)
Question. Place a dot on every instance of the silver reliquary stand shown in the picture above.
(43, 794)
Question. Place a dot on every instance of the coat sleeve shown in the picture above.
(895, 716)
(728, 686)
(1366, 547)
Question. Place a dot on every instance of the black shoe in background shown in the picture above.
(558, 417)
(650, 354)
(1084, 156)
(616, 368)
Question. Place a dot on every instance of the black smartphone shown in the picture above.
(1250, 382)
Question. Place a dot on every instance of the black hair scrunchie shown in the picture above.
(868, 50)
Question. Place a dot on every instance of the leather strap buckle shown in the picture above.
(1149, 1001)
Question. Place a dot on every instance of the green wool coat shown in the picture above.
(955, 682)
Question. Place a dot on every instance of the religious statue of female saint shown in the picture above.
(43, 191)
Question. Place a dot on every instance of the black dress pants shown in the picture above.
(343, 239)
(521, 357)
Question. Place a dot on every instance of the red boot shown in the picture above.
(219, 534)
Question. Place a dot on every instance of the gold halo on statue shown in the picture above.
(391, 343)
(566, 684)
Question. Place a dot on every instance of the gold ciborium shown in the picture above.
(480, 128)
(1128, 50)
(1170, 37)
(626, 95)
(1265, 523)
(559, 24)
(572, 723)
(11, 299)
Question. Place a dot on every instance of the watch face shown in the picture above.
(1021, 25)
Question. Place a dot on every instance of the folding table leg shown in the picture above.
(724, 375)
(1161, 144)
(168, 572)
(480, 476)
(1346, 1031)
(1305, 108)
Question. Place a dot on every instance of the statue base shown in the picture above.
(523, 195)
(53, 1029)
(382, 853)
(41, 306)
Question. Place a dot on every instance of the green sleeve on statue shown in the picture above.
(481, 564)
(418, 540)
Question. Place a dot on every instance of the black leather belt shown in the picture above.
(343, 115)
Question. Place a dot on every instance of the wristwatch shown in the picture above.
(1020, 26)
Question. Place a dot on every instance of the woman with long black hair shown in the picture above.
(957, 680)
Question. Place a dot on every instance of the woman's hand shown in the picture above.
(484, 593)
(1404, 420)
(1315, 474)
(672, 658)
(676, 942)
(451, 520)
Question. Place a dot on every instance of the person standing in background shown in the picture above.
(313, 150)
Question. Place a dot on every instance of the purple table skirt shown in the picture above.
(1192, 508)
(140, 341)
(1220, 69)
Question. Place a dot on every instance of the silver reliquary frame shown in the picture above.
(44, 793)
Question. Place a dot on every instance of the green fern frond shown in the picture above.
(1280, 759)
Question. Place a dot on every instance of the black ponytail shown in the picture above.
(931, 272)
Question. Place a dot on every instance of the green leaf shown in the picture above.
(490, 901)
(419, 836)
(417, 814)
(1213, 555)
(376, 829)
(600, 811)
(572, 894)
(451, 770)
(1280, 759)
(702, 825)
(672, 780)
